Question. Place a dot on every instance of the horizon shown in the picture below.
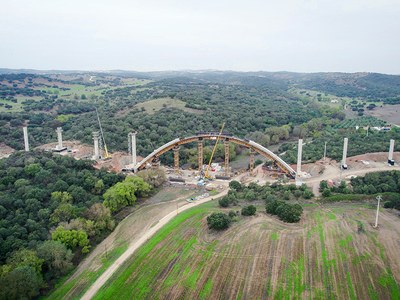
(189, 71)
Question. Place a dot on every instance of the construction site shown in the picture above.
(209, 173)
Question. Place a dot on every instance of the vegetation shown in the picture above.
(184, 258)
(51, 212)
(218, 221)
(360, 142)
(286, 212)
(385, 183)
(249, 210)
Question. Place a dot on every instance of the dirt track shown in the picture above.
(139, 242)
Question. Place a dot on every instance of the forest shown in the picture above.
(53, 209)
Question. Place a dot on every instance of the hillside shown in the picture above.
(324, 256)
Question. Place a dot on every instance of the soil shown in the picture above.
(389, 113)
(5, 151)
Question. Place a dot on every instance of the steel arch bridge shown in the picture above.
(226, 138)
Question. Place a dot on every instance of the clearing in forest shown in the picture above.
(322, 257)
(155, 105)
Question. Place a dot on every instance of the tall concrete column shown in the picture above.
(391, 150)
(59, 137)
(132, 146)
(345, 142)
(251, 165)
(226, 166)
(96, 137)
(299, 156)
(200, 154)
(26, 141)
(176, 158)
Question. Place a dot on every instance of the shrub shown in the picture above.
(218, 221)
(249, 210)
(232, 214)
(224, 202)
(286, 212)
(235, 185)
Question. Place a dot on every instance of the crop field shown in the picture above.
(322, 257)
(153, 106)
(389, 113)
(361, 121)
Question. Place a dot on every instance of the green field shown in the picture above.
(153, 106)
(323, 257)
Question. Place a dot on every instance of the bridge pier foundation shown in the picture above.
(176, 158)
(200, 154)
(226, 166)
(251, 165)
(155, 163)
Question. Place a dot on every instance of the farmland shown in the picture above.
(322, 257)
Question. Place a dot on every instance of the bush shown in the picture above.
(218, 221)
(232, 214)
(235, 185)
(224, 202)
(326, 192)
(249, 210)
(286, 212)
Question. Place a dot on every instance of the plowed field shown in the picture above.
(322, 257)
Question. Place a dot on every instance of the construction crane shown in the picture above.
(213, 151)
(106, 154)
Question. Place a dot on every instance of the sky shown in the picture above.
(245, 35)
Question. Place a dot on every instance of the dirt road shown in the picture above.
(334, 173)
(134, 246)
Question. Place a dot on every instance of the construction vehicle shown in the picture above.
(106, 154)
(207, 175)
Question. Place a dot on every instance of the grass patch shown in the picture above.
(87, 278)
(140, 287)
(155, 105)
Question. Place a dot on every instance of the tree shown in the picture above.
(249, 210)
(71, 238)
(101, 216)
(32, 169)
(124, 193)
(326, 192)
(308, 194)
(250, 195)
(224, 201)
(323, 185)
(61, 197)
(57, 258)
(297, 194)
(154, 177)
(99, 187)
(235, 185)
(63, 213)
(21, 283)
(25, 258)
(218, 221)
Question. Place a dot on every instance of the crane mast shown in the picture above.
(106, 154)
(213, 151)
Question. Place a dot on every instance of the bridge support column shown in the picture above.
(391, 149)
(299, 156)
(155, 163)
(226, 166)
(26, 141)
(96, 138)
(200, 154)
(251, 165)
(345, 143)
(176, 158)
